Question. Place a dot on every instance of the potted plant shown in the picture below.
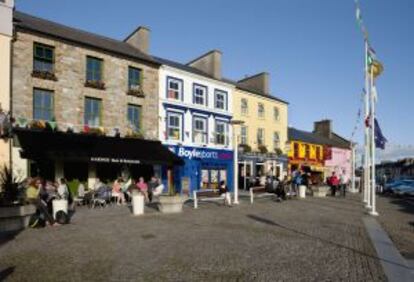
(14, 214)
(173, 202)
(262, 149)
(136, 90)
(245, 148)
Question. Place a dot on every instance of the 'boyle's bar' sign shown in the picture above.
(114, 160)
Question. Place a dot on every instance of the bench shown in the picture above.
(213, 194)
(258, 190)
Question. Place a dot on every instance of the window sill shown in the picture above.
(97, 84)
(44, 75)
(136, 93)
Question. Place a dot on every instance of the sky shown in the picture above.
(313, 49)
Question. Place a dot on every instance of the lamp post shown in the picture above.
(234, 123)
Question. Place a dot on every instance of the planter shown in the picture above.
(15, 218)
(171, 204)
(320, 191)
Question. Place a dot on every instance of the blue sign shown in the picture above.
(201, 154)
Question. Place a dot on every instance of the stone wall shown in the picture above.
(69, 89)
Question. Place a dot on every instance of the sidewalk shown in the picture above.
(297, 240)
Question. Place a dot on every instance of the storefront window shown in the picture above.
(93, 110)
(296, 150)
(221, 132)
(200, 130)
(174, 126)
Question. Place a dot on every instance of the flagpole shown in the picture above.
(373, 180)
(366, 142)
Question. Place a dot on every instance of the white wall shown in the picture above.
(188, 80)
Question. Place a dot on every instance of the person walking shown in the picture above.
(334, 182)
(224, 192)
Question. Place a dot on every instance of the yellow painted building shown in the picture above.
(264, 128)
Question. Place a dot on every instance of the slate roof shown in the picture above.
(27, 22)
(310, 137)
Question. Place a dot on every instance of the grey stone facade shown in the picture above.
(70, 91)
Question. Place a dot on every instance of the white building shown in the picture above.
(195, 111)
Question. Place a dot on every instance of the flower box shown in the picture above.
(98, 84)
(44, 75)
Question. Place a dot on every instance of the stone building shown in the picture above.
(72, 81)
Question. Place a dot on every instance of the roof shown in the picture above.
(52, 145)
(310, 137)
(27, 22)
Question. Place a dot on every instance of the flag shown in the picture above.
(380, 140)
(371, 56)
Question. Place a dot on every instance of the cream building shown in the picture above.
(263, 134)
(6, 34)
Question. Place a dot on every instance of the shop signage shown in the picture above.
(195, 153)
(114, 160)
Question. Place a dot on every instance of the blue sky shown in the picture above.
(312, 48)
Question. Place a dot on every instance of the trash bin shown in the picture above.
(302, 191)
(137, 204)
(59, 205)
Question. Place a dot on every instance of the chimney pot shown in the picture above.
(210, 63)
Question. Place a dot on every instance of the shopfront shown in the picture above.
(203, 168)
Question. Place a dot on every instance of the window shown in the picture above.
(221, 132)
(134, 78)
(200, 95)
(276, 140)
(276, 113)
(244, 107)
(318, 153)
(296, 150)
(43, 58)
(243, 135)
(200, 130)
(174, 126)
(134, 117)
(260, 110)
(93, 112)
(220, 100)
(93, 69)
(307, 151)
(260, 136)
(174, 88)
(42, 104)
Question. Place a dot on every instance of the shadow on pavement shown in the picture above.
(6, 272)
(272, 223)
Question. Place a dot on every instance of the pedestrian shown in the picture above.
(342, 184)
(333, 182)
(224, 193)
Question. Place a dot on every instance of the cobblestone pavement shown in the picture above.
(297, 240)
(396, 216)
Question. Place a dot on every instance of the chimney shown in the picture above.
(140, 39)
(6, 17)
(258, 82)
(209, 63)
(323, 128)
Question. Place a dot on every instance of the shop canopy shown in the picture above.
(38, 145)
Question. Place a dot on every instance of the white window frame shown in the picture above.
(244, 108)
(204, 132)
(224, 95)
(179, 90)
(203, 96)
(225, 133)
(276, 140)
(260, 141)
(179, 127)
(261, 114)
(243, 134)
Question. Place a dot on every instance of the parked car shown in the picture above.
(403, 189)
(390, 187)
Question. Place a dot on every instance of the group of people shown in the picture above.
(122, 190)
(41, 193)
(337, 184)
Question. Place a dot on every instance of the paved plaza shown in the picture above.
(297, 240)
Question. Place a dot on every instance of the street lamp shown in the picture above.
(234, 123)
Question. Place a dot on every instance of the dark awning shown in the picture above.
(37, 145)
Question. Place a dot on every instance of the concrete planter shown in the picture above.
(320, 191)
(15, 218)
(171, 204)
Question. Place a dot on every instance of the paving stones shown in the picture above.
(307, 240)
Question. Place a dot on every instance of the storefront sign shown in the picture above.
(195, 153)
(114, 160)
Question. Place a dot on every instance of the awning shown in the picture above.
(37, 145)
